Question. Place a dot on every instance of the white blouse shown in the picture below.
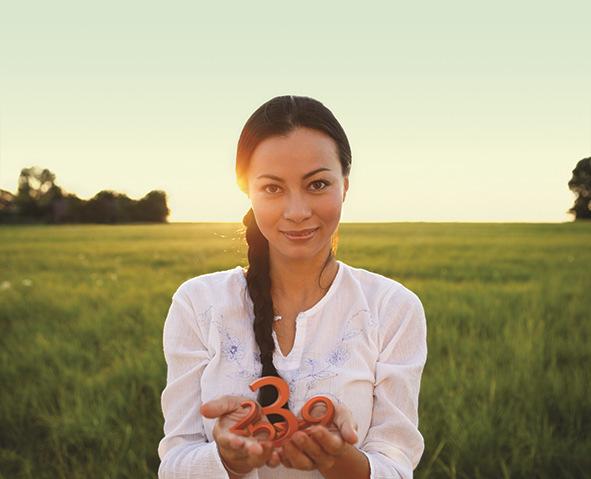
(363, 344)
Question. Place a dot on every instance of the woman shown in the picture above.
(297, 312)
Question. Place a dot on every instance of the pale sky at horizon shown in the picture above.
(455, 111)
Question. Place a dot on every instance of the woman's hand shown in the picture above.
(319, 447)
(241, 454)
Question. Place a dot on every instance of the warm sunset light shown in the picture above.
(474, 117)
(276, 240)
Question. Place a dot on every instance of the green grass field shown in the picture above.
(505, 392)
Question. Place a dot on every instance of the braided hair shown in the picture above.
(277, 117)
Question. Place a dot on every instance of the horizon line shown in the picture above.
(402, 221)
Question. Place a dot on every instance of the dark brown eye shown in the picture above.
(270, 186)
(322, 182)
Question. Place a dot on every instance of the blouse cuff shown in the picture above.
(382, 467)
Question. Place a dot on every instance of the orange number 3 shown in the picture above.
(277, 407)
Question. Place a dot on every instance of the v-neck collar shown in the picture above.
(292, 359)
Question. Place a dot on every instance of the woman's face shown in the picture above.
(296, 183)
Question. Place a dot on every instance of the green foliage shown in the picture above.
(580, 185)
(505, 392)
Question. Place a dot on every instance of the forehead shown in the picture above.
(303, 150)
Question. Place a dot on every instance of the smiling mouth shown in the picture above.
(300, 234)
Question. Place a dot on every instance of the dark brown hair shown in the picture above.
(277, 117)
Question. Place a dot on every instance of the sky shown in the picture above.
(455, 111)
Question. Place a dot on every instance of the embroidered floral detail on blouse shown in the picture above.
(246, 365)
(339, 356)
(231, 348)
(329, 365)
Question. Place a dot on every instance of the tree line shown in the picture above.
(39, 200)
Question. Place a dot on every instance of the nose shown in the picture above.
(297, 208)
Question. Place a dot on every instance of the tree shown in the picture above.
(580, 184)
(36, 193)
(152, 207)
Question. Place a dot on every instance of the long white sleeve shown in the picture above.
(184, 451)
(394, 444)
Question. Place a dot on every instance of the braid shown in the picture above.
(259, 288)
(258, 282)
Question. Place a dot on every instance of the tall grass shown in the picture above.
(505, 392)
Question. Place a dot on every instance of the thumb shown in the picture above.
(220, 406)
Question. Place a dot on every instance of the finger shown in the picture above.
(346, 424)
(297, 458)
(274, 460)
(244, 446)
(220, 406)
(254, 448)
(266, 451)
(235, 442)
(310, 447)
(330, 442)
(231, 449)
(284, 459)
(230, 441)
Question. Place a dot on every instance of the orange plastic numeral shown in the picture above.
(263, 426)
(323, 420)
(280, 431)
(253, 415)
(277, 406)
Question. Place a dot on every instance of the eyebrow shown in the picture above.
(307, 175)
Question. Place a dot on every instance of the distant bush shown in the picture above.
(40, 200)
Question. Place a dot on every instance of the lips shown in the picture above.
(301, 235)
(300, 232)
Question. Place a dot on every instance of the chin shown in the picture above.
(300, 252)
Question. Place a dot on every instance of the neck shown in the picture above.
(299, 280)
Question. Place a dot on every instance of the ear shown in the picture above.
(346, 184)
